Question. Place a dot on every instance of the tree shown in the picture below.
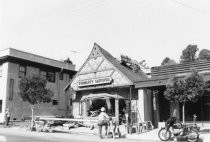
(204, 55)
(167, 61)
(185, 90)
(189, 54)
(33, 90)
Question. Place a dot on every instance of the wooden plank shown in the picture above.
(68, 119)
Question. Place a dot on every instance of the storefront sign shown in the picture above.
(95, 81)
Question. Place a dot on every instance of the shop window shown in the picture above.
(43, 74)
(51, 76)
(55, 102)
(22, 71)
(0, 106)
(61, 76)
(11, 90)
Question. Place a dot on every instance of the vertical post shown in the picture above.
(202, 110)
(84, 108)
(156, 107)
(67, 104)
(130, 111)
(127, 115)
(183, 113)
(130, 97)
(117, 110)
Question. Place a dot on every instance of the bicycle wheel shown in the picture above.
(164, 135)
(192, 136)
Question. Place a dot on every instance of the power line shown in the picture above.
(62, 12)
(190, 7)
(78, 10)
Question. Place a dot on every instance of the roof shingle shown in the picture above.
(132, 76)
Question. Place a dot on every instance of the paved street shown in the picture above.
(15, 138)
(21, 135)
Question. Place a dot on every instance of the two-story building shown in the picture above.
(15, 64)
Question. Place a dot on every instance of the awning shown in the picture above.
(101, 96)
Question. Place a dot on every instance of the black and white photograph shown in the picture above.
(104, 70)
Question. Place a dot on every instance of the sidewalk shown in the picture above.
(153, 135)
(146, 136)
(80, 133)
(17, 131)
(92, 135)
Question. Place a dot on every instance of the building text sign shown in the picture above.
(95, 81)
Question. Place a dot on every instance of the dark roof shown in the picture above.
(132, 76)
(161, 74)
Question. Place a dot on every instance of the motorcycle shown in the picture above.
(179, 130)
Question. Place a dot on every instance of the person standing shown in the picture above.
(103, 120)
(7, 114)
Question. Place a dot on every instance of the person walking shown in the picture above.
(7, 114)
(103, 120)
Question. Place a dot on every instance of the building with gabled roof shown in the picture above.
(103, 81)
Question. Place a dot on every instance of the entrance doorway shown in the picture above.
(164, 107)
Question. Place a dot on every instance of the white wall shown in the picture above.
(144, 105)
(76, 109)
(3, 89)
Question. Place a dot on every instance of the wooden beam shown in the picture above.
(95, 71)
(68, 119)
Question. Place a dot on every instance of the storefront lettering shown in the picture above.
(95, 81)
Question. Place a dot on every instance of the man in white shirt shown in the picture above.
(7, 114)
(103, 120)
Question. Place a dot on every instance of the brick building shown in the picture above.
(15, 64)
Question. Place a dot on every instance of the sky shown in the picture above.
(141, 29)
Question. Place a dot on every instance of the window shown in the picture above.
(61, 76)
(43, 74)
(22, 71)
(51, 76)
(11, 90)
(55, 102)
(0, 106)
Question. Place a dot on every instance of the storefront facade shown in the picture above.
(103, 82)
(162, 108)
